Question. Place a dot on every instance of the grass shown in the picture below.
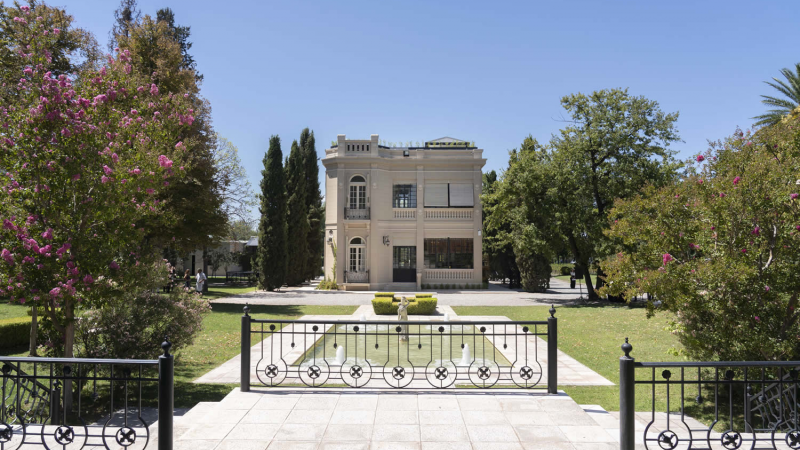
(215, 292)
(8, 311)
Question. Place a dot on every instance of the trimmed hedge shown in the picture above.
(384, 306)
(384, 294)
(423, 295)
(15, 332)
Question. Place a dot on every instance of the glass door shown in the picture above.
(404, 264)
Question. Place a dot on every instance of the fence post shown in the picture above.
(552, 352)
(244, 375)
(55, 402)
(166, 397)
(627, 402)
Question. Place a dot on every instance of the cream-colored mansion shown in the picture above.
(399, 218)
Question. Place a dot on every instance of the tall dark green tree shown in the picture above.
(125, 17)
(181, 35)
(297, 218)
(271, 253)
(316, 212)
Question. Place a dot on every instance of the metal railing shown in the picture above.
(746, 404)
(48, 401)
(359, 276)
(399, 354)
(356, 213)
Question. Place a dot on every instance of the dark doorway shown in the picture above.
(404, 264)
(193, 268)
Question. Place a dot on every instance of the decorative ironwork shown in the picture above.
(351, 276)
(43, 402)
(752, 404)
(399, 354)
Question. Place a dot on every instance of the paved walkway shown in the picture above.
(314, 420)
(570, 371)
(497, 295)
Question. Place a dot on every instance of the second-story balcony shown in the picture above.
(356, 214)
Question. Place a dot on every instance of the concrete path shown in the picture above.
(497, 295)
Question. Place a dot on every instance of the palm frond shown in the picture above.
(790, 88)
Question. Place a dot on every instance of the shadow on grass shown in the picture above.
(276, 310)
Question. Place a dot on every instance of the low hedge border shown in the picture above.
(15, 332)
(384, 294)
(384, 306)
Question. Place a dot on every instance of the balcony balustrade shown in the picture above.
(448, 213)
(356, 214)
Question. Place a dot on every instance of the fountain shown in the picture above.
(446, 317)
(466, 356)
(339, 355)
(402, 315)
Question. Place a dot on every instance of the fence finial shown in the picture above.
(246, 309)
(626, 347)
(552, 310)
(166, 345)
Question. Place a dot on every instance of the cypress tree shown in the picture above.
(296, 219)
(271, 257)
(316, 212)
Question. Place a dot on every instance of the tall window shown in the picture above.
(356, 255)
(404, 196)
(449, 253)
(358, 192)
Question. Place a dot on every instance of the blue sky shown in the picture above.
(489, 72)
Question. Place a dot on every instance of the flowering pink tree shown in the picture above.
(82, 160)
(720, 248)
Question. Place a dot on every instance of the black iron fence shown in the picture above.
(72, 403)
(736, 404)
(399, 354)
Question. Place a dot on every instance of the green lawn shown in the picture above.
(8, 311)
(215, 292)
(593, 335)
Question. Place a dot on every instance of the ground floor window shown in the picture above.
(449, 253)
(404, 258)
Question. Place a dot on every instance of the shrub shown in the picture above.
(328, 285)
(15, 331)
(566, 270)
(535, 271)
(485, 286)
(418, 296)
(424, 306)
(384, 294)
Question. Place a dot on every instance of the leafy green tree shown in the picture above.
(783, 106)
(559, 196)
(125, 16)
(241, 230)
(271, 253)
(719, 249)
(316, 211)
(296, 219)
(498, 246)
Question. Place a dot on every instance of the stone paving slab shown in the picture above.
(370, 420)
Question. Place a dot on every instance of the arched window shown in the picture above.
(356, 256)
(358, 192)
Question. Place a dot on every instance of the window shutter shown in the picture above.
(436, 195)
(461, 195)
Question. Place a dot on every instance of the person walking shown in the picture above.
(201, 280)
(187, 280)
(572, 278)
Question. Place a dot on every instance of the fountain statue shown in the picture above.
(402, 315)
(340, 355)
(466, 356)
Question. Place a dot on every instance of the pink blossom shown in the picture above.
(744, 250)
(756, 231)
(694, 246)
(700, 181)
(700, 158)
(56, 30)
(758, 319)
(736, 180)
(105, 179)
(88, 279)
(766, 288)
(667, 258)
(136, 171)
(5, 254)
(48, 234)
(76, 177)
(113, 265)
(721, 194)
(107, 170)
(794, 196)
(164, 162)
(179, 145)
(153, 89)
(55, 292)
(115, 158)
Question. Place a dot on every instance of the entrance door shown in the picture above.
(404, 264)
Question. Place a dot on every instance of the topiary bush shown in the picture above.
(423, 306)
(566, 270)
(418, 296)
(15, 332)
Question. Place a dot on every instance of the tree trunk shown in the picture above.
(587, 278)
(34, 330)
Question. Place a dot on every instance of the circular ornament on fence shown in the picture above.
(6, 433)
(793, 439)
(64, 435)
(668, 440)
(731, 440)
(356, 375)
(314, 373)
(126, 436)
(398, 376)
(441, 374)
(271, 373)
(484, 374)
(526, 375)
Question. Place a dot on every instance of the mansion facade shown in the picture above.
(399, 218)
